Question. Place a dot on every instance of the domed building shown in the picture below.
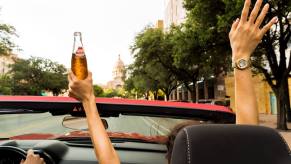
(118, 75)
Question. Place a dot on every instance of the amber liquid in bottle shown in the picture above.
(79, 62)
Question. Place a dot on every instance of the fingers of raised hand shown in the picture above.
(90, 74)
(255, 11)
(262, 15)
(245, 11)
(268, 26)
(72, 87)
(234, 26)
(71, 94)
(73, 81)
(71, 76)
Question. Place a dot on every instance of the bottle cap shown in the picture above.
(77, 34)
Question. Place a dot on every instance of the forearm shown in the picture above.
(245, 35)
(245, 98)
(102, 144)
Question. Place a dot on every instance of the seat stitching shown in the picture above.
(188, 146)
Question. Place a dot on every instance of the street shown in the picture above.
(17, 124)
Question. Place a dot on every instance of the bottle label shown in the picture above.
(80, 52)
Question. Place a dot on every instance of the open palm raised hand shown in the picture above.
(246, 33)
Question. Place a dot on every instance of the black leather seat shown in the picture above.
(230, 144)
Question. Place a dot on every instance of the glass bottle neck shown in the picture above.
(77, 42)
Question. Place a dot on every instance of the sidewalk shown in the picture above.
(271, 121)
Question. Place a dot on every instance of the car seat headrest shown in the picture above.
(229, 144)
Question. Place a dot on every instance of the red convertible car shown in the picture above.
(137, 128)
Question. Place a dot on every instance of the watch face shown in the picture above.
(242, 63)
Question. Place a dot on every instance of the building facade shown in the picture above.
(266, 98)
(160, 24)
(118, 75)
(207, 91)
(5, 62)
(174, 12)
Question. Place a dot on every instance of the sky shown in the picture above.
(46, 27)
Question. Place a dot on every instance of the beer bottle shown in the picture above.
(79, 62)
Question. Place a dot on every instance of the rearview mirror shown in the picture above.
(79, 123)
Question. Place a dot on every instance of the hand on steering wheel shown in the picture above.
(32, 158)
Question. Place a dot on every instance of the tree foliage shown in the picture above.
(185, 53)
(114, 93)
(153, 60)
(274, 55)
(31, 76)
(5, 85)
(98, 91)
(7, 32)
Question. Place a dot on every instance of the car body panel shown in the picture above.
(110, 107)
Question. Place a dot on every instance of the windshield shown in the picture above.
(148, 126)
(44, 123)
(18, 124)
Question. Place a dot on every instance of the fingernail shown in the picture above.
(275, 20)
(266, 7)
(237, 19)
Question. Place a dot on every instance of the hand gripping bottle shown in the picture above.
(79, 62)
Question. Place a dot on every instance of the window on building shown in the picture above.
(186, 94)
(174, 95)
(210, 88)
(180, 95)
(201, 94)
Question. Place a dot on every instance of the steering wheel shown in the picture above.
(14, 155)
(10, 154)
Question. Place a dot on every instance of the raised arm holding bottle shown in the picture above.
(81, 88)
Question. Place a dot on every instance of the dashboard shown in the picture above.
(60, 152)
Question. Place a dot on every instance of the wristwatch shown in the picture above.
(241, 64)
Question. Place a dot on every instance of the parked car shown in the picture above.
(225, 102)
(137, 128)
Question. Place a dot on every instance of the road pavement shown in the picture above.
(271, 121)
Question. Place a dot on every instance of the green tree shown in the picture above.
(274, 46)
(188, 57)
(6, 43)
(152, 60)
(56, 77)
(167, 81)
(98, 91)
(201, 48)
(5, 85)
(30, 77)
(113, 93)
(140, 83)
